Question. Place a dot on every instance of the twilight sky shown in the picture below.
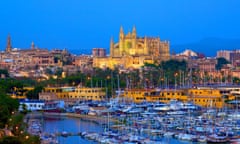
(80, 25)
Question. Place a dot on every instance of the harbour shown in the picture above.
(87, 128)
(175, 122)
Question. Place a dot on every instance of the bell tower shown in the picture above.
(9, 46)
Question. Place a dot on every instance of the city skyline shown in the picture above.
(80, 26)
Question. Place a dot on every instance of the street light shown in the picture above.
(161, 83)
(26, 137)
(175, 76)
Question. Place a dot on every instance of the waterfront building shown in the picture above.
(202, 97)
(20, 93)
(206, 97)
(48, 96)
(154, 95)
(59, 91)
(31, 105)
(132, 51)
(84, 93)
(74, 93)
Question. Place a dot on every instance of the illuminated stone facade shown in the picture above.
(132, 51)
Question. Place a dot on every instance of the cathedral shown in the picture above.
(132, 51)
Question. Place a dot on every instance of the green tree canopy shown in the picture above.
(34, 94)
(7, 106)
(220, 62)
(5, 72)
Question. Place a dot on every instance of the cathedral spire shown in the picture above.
(134, 30)
(9, 46)
(121, 33)
(111, 41)
(32, 45)
(121, 29)
(111, 46)
(134, 33)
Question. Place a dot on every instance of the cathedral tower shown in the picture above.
(121, 41)
(111, 48)
(32, 45)
(9, 46)
(134, 33)
(134, 38)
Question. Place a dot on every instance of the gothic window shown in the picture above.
(129, 45)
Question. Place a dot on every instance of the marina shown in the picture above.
(120, 72)
(142, 123)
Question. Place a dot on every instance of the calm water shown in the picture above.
(75, 125)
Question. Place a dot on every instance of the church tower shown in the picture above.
(121, 34)
(32, 45)
(9, 46)
(134, 33)
(121, 42)
(111, 48)
(134, 38)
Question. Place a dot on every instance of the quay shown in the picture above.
(91, 118)
(35, 125)
(148, 122)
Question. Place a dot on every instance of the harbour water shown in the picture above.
(75, 125)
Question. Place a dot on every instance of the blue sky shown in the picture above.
(82, 25)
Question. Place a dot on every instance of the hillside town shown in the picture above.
(131, 53)
(138, 88)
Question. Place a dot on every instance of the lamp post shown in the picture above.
(175, 76)
(106, 83)
(26, 137)
(162, 83)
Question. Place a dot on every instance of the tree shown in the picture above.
(59, 72)
(172, 69)
(7, 106)
(34, 94)
(220, 62)
(4, 72)
(10, 140)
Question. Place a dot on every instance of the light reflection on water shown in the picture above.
(73, 125)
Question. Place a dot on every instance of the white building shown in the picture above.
(31, 105)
